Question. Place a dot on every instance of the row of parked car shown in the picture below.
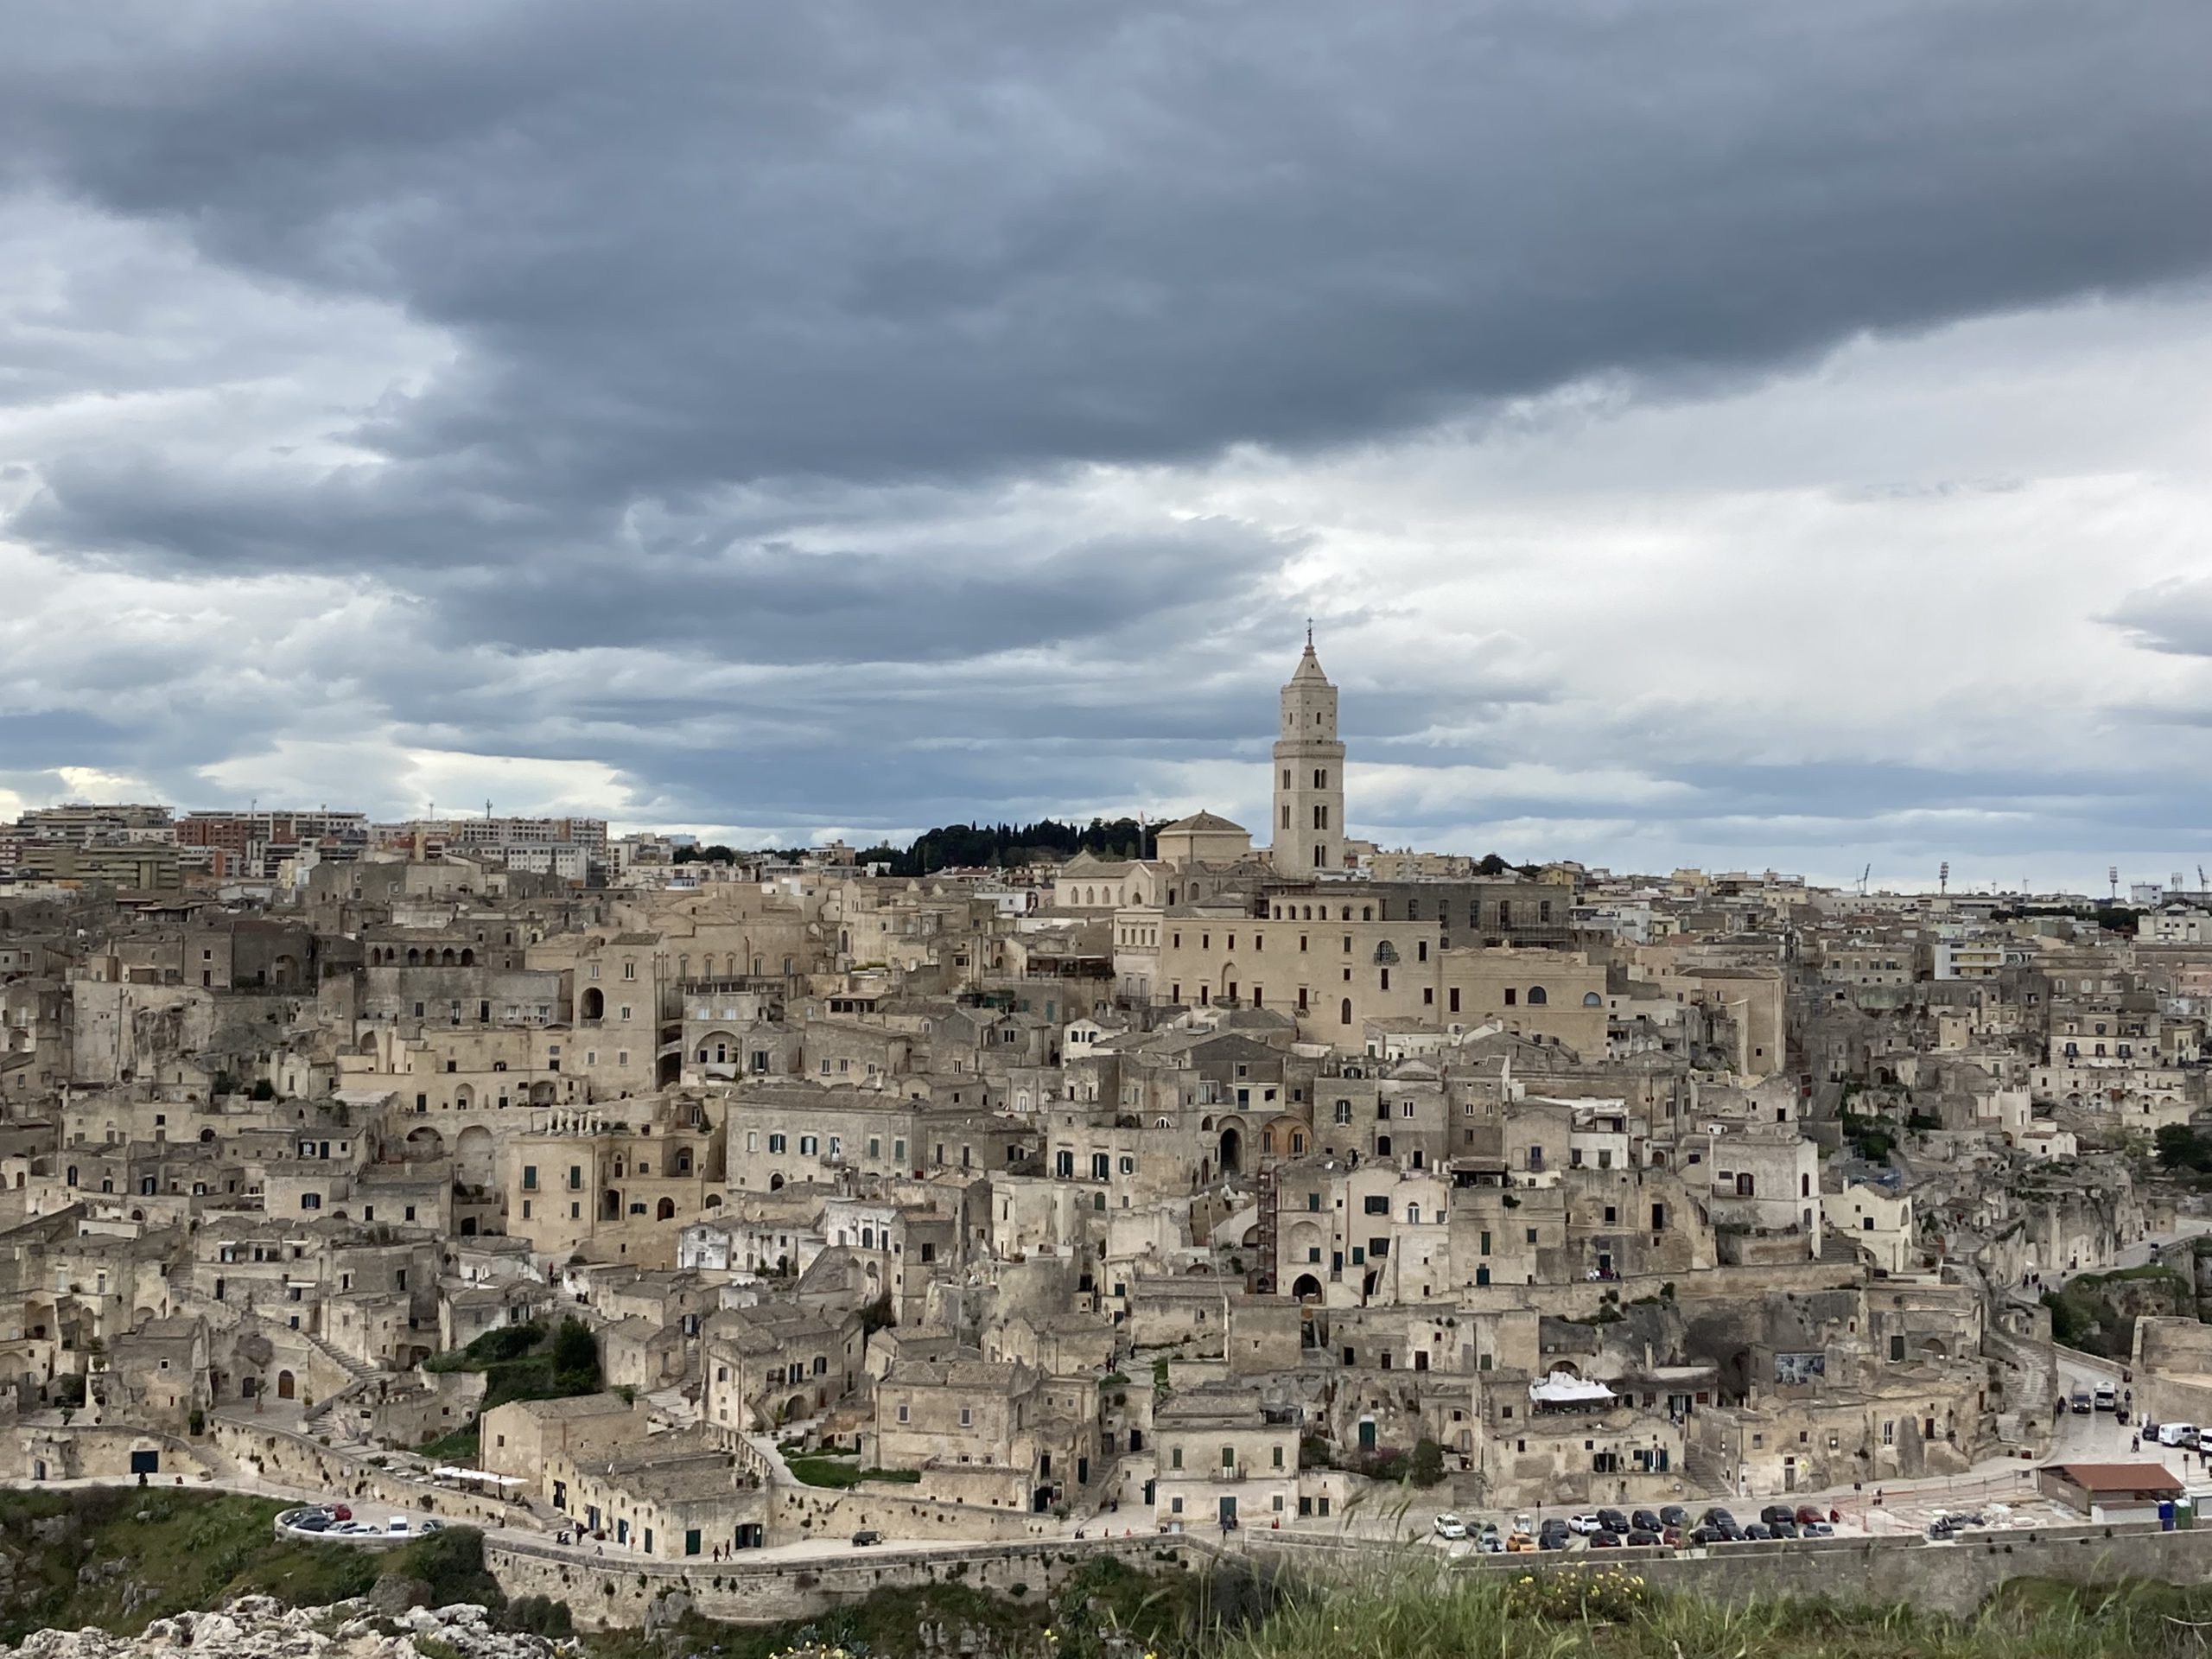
(337, 1520)
(1669, 1526)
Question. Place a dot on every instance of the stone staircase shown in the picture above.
(354, 1368)
(1701, 1475)
(1838, 1248)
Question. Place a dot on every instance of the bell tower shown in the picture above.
(1308, 833)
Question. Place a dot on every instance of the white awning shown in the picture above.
(1561, 1389)
(449, 1473)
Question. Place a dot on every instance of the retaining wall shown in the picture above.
(292, 1459)
(1953, 1577)
(616, 1593)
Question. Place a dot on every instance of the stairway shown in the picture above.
(353, 1368)
(1701, 1475)
(1839, 1248)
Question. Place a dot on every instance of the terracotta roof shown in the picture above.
(2117, 1477)
(1212, 821)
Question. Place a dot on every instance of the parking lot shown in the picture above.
(354, 1523)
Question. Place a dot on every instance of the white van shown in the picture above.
(2108, 1397)
(2182, 1434)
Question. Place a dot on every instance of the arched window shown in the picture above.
(1538, 999)
(1345, 1016)
(1592, 999)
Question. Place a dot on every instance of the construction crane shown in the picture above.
(1943, 878)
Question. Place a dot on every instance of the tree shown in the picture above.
(2180, 1147)
(575, 1354)
(1426, 1467)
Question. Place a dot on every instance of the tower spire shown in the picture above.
(1309, 634)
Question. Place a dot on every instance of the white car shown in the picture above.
(1584, 1525)
(1450, 1526)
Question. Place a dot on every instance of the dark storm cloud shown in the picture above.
(783, 604)
(687, 245)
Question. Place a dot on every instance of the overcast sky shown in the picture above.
(1717, 433)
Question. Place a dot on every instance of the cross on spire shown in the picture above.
(1309, 634)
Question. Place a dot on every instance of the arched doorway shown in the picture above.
(1232, 1152)
(1304, 1286)
(286, 1386)
(593, 1006)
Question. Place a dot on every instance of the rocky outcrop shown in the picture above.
(260, 1627)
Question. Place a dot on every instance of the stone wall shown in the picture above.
(616, 1593)
(894, 1508)
(1948, 1578)
(98, 1451)
(291, 1460)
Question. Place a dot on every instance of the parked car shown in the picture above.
(1642, 1536)
(1671, 1536)
(1583, 1525)
(429, 1526)
(1450, 1526)
(866, 1536)
(1782, 1528)
(1703, 1536)
(1488, 1543)
(1809, 1513)
(1612, 1520)
(340, 1512)
(1551, 1541)
(1816, 1529)
(397, 1524)
(311, 1523)
(1716, 1517)
(1673, 1515)
(1604, 1541)
(1644, 1521)
(2180, 1435)
(1519, 1542)
(1758, 1529)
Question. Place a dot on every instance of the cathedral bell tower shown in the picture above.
(1309, 806)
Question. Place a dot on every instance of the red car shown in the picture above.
(340, 1512)
(1807, 1513)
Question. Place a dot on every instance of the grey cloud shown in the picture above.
(764, 322)
(2172, 616)
(699, 243)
